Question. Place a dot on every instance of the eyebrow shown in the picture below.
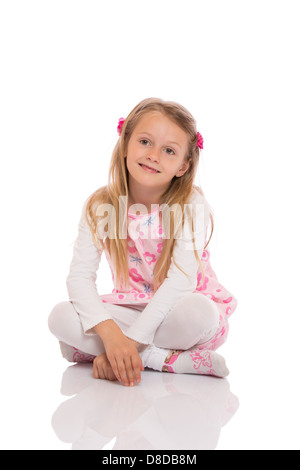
(147, 133)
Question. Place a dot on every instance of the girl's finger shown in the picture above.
(104, 372)
(129, 370)
(122, 372)
(114, 367)
(95, 371)
(137, 367)
(110, 375)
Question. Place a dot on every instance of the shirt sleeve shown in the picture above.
(81, 281)
(177, 284)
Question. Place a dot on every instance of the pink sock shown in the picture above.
(196, 361)
(74, 355)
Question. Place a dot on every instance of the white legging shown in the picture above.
(193, 320)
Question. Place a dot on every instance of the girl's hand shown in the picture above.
(121, 353)
(102, 368)
(124, 359)
(138, 346)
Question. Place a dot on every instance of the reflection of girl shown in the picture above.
(168, 311)
(165, 412)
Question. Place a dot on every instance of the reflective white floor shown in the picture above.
(47, 403)
(166, 411)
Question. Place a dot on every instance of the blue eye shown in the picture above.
(169, 153)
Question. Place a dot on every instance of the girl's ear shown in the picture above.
(184, 168)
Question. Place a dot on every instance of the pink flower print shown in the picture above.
(135, 276)
(216, 341)
(149, 258)
(201, 358)
(158, 232)
(142, 297)
(159, 247)
(205, 255)
(223, 331)
(228, 311)
(212, 297)
(227, 301)
(79, 356)
(142, 241)
(131, 246)
(201, 287)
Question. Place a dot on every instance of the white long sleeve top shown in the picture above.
(143, 252)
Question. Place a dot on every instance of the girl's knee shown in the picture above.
(59, 317)
(203, 318)
(210, 313)
(201, 311)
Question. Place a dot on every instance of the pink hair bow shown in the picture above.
(199, 141)
(120, 125)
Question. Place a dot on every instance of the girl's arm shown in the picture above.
(81, 285)
(177, 284)
(81, 281)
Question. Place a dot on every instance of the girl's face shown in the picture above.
(158, 143)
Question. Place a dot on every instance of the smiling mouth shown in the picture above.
(151, 170)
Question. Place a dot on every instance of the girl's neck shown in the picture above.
(148, 205)
(146, 201)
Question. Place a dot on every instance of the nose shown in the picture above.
(154, 155)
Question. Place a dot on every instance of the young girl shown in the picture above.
(167, 311)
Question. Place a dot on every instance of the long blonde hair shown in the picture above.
(178, 192)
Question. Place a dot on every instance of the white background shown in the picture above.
(69, 70)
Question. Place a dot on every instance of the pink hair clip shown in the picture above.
(120, 125)
(199, 141)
